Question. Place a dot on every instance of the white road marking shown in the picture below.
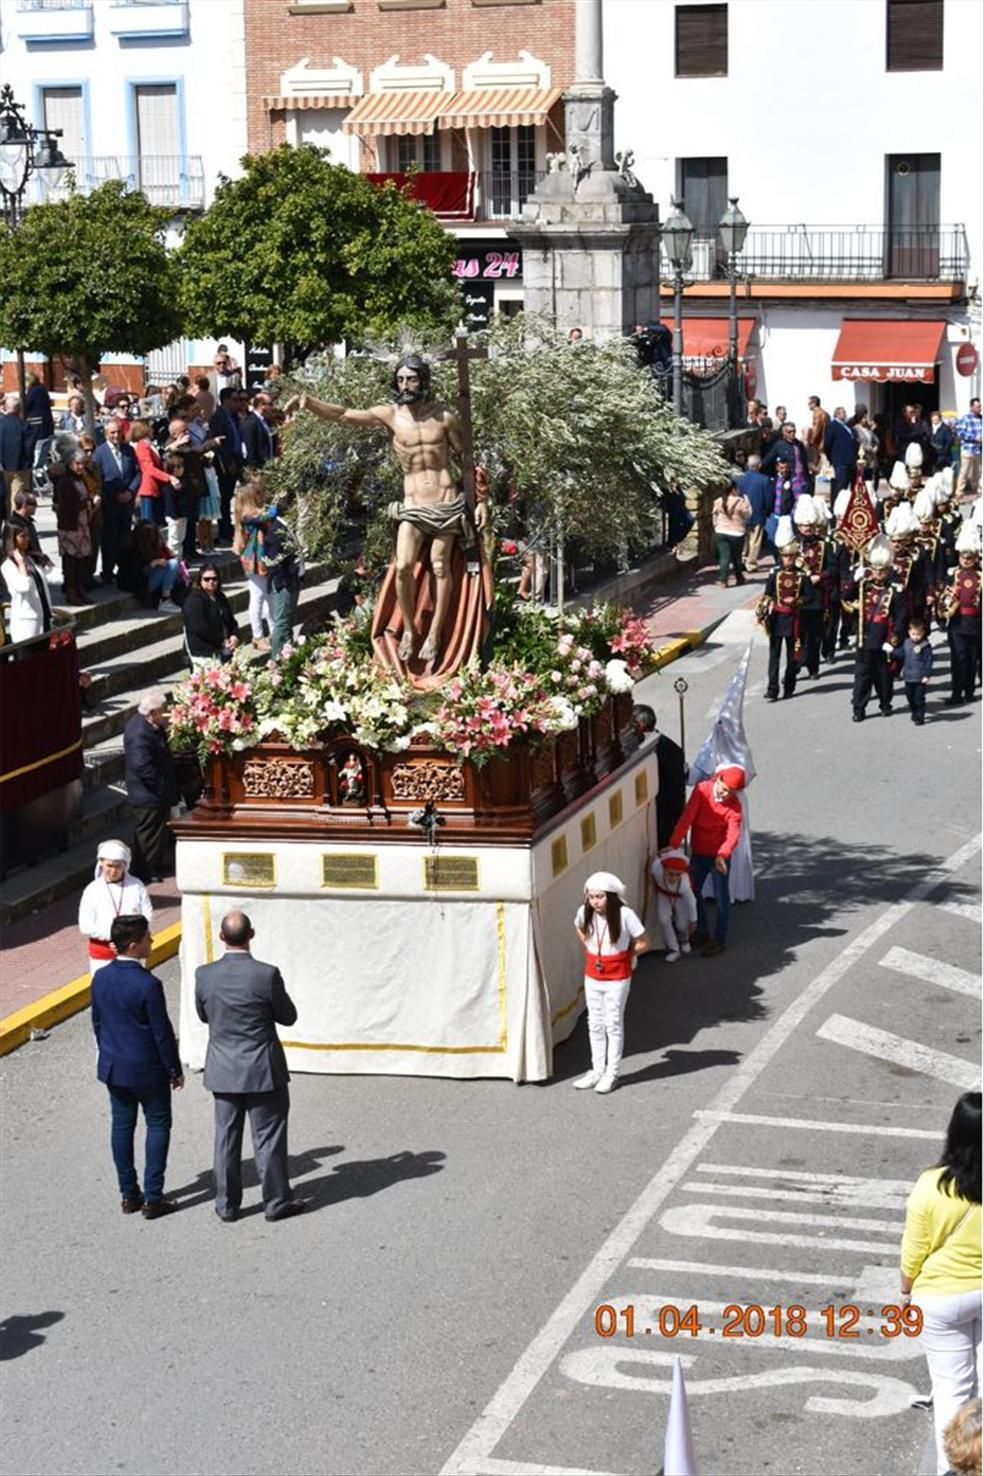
(971, 911)
(491, 1466)
(912, 1054)
(600, 1367)
(873, 1283)
(863, 1129)
(878, 1199)
(800, 1176)
(931, 971)
(484, 1435)
(691, 1220)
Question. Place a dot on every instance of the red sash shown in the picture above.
(99, 949)
(611, 969)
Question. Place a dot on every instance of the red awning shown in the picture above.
(449, 193)
(707, 338)
(884, 350)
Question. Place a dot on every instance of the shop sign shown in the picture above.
(887, 373)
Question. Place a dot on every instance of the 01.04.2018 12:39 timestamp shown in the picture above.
(752, 1321)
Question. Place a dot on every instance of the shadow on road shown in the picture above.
(18, 1335)
(202, 1188)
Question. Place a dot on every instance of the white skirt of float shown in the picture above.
(459, 961)
(741, 874)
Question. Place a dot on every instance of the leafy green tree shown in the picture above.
(581, 432)
(303, 252)
(87, 276)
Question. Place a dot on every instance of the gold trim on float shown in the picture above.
(641, 787)
(451, 874)
(558, 855)
(589, 833)
(502, 973)
(259, 869)
(615, 809)
(555, 1019)
(207, 920)
(355, 871)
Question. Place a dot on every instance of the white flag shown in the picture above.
(678, 1448)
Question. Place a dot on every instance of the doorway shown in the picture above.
(913, 214)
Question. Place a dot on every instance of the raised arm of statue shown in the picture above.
(377, 415)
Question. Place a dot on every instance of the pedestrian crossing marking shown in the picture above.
(863, 1129)
(872, 1283)
(931, 971)
(698, 1220)
(971, 911)
(885, 1046)
(901, 1186)
(881, 1199)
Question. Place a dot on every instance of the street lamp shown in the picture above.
(25, 151)
(733, 228)
(678, 233)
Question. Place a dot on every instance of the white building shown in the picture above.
(851, 134)
(149, 91)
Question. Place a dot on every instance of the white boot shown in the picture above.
(589, 1079)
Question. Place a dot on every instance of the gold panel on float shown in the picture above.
(451, 873)
(589, 833)
(615, 809)
(558, 855)
(350, 871)
(249, 869)
(641, 787)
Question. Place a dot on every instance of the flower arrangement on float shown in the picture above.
(547, 673)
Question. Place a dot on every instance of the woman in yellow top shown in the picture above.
(941, 1266)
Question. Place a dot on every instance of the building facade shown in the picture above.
(851, 135)
(152, 92)
(466, 93)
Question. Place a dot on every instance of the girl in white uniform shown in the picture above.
(113, 893)
(676, 905)
(612, 935)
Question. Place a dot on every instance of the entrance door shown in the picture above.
(913, 216)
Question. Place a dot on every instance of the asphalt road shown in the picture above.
(435, 1312)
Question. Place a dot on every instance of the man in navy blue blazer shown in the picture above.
(138, 1061)
(841, 447)
(120, 479)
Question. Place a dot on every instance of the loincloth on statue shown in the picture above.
(438, 519)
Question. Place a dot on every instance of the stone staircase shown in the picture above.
(126, 649)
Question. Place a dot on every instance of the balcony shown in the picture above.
(843, 254)
(53, 21)
(462, 196)
(174, 181)
(149, 20)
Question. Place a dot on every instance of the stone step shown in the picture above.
(29, 889)
(109, 603)
(119, 684)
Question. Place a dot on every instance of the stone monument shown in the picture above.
(590, 233)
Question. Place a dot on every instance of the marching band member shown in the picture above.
(881, 623)
(961, 603)
(779, 612)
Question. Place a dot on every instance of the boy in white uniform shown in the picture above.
(676, 905)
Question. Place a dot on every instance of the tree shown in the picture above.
(87, 276)
(582, 433)
(303, 252)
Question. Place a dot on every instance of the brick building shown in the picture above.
(465, 91)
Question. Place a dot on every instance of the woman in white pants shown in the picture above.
(941, 1267)
(250, 502)
(612, 936)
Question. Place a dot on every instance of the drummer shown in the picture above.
(113, 893)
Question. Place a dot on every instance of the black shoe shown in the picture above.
(291, 1208)
(885, 711)
(858, 716)
(157, 1208)
(131, 1206)
(954, 702)
(772, 696)
(229, 1218)
(919, 721)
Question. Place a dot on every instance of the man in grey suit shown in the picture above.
(243, 1001)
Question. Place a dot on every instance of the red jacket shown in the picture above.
(151, 470)
(714, 827)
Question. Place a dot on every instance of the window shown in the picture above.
(159, 166)
(701, 40)
(513, 158)
(62, 108)
(422, 152)
(702, 185)
(914, 35)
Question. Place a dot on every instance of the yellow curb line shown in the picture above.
(15, 1029)
(61, 1003)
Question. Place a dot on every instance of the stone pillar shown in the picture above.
(588, 42)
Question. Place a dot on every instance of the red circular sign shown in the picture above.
(966, 360)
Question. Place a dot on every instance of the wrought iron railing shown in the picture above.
(839, 253)
(173, 180)
(501, 195)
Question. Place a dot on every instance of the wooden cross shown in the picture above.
(462, 354)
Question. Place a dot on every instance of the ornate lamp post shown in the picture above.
(24, 151)
(733, 228)
(678, 233)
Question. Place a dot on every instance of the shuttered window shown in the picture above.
(63, 109)
(914, 35)
(157, 121)
(701, 40)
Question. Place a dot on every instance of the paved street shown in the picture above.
(436, 1310)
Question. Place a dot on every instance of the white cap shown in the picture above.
(899, 480)
(914, 455)
(969, 538)
(879, 553)
(901, 521)
(924, 505)
(806, 512)
(604, 881)
(785, 532)
(946, 479)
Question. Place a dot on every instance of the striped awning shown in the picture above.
(385, 113)
(311, 100)
(499, 107)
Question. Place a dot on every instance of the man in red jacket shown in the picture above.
(713, 818)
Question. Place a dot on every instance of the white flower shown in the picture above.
(565, 715)
(333, 712)
(617, 676)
